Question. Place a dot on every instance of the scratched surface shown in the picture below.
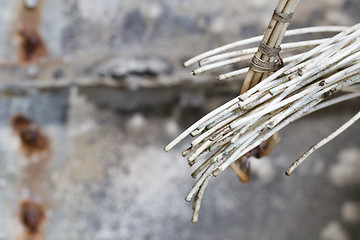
(105, 175)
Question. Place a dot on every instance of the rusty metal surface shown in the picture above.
(88, 162)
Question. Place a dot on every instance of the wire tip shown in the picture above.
(186, 64)
(167, 148)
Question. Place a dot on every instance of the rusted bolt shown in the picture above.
(58, 73)
(32, 47)
(33, 140)
(32, 215)
(33, 137)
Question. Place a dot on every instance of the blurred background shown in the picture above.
(91, 92)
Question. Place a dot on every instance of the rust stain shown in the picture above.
(32, 216)
(37, 150)
(33, 140)
(31, 46)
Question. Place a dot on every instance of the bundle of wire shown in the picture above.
(306, 83)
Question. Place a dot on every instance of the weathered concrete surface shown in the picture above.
(111, 180)
(109, 177)
(127, 188)
(86, 34)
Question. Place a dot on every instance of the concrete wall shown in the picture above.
(105, 176)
